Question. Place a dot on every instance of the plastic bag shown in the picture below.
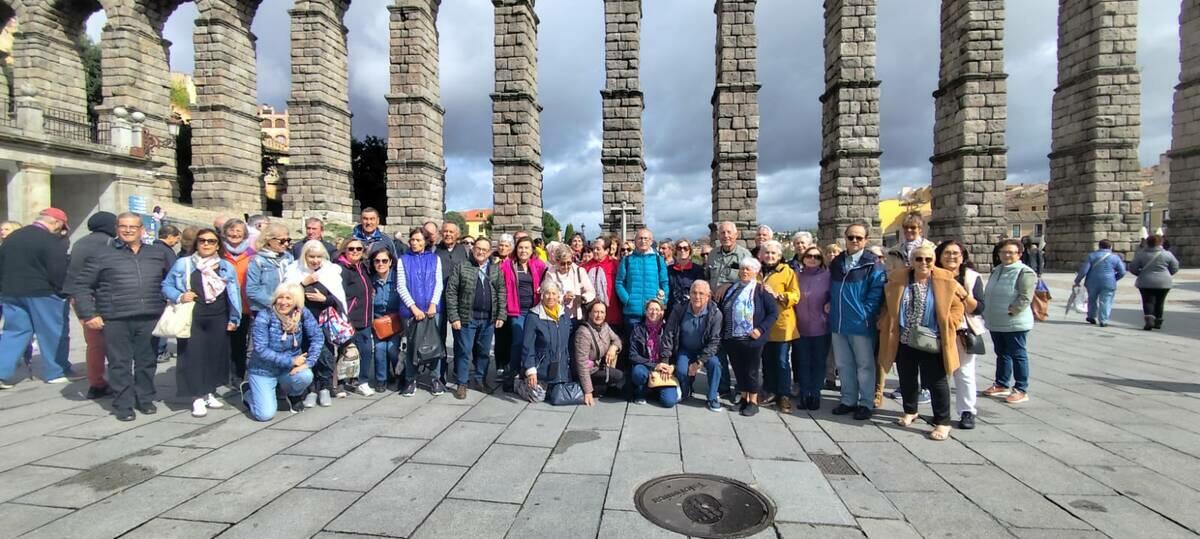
(1078, 300)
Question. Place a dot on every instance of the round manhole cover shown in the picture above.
(706, 506)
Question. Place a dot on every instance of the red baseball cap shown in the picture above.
(55, 213)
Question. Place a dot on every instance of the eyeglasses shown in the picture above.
(207, 241)
(812, 257)
(354, 249)
(923, 259)
(128, 227)
(684, 248)
(382, 261)
(855, 238)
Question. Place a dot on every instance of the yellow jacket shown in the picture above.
(782, 280)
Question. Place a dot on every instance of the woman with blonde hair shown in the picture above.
(322, 283)
(278, 357)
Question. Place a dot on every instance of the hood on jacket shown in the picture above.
(103, 221)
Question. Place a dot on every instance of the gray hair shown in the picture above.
(558, 251)
(505, 238)
(548, 285)
(256, 220)
(767, 229)
(315, 247)
(729, 224)
(773, 244)
(231, 224)
(803, 235)
(752, 263)
(316, 220)
(699, 283)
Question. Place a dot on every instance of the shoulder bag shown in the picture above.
(387, 326)
(176, 319)
(426, 342)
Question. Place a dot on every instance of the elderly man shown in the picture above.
(692, 338)
(120, 292)
(367, 231)
(856, 291)
(761, 236)
(721, 268)
(33, 272)
(914, 235)
(641, 277)
(449, 250)
(475, 307)
(314, 230)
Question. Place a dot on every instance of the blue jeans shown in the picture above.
(260, 400)
(777, 374)
(808, 363)
(44, 317)
(1012, 361)
(1100, 302)
(855, 355)
(364, 341)
(668, 396)
(382, 358)
(472, 344)
(516, 355)
(712, 366)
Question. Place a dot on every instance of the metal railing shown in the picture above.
(75, 126)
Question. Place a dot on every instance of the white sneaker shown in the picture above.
(310, 400)
(324, 399)
(59, 380)
(364, 390)
(198, 408)
(212, 402)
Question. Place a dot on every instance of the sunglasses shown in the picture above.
(684, 248)
(207, 241)
(283, 240)
(855, 238)
(923, 259)
(812, 257)
(354, 249)
(382, 261)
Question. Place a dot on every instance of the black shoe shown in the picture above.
(814, 403)
(379, 388)
(749, 410)
(842, 409)
(1091, 321)
(296, 403)
(1149, 323)
(437, 387)
(831, 385)
(94, 393)
(1103, 324)
(1158, 323)
(127, 415)
(863, 413)
(147, 409)
(967, 422)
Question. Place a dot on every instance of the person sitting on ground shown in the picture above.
(278, 357)
(647, 354)
(692, 338)
(596, 349)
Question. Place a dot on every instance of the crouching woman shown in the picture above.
(286, 344)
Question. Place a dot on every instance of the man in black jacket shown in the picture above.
(33, 268)
(119, 292)
(475, 307)
(692, 338)
(103, 227)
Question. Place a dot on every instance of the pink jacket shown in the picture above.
(536, 268)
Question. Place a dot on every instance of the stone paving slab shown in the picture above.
(468, 518)
(87, 487)
(505, 473)
(561, 506)
(240, 496)
(124, 511)
(716, 455)
(19, 519)
(396, 506)
(126, 443)
(862, 499)
(176, 529)
(650, 433)
(631, 469)
(1037, 469)
(588, 452)
(365, 466)
(296, 513)
(25, 479)
(460, 444)
(1119, 516)
(632, 524)
(232, 459)
(31, 429)
(769, 441)
(536, 427)
(800, 492)
(1006, 499)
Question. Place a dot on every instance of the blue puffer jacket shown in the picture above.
(639, 278)
(263, 276)
(546, 346)
(273, 351)
(855, 295)
(179, 279)
(1097, 274)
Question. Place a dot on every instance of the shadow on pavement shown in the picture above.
(1157, 385)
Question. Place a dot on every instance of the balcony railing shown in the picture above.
(71, 125)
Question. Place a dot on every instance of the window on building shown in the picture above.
(1037, 230)
(279, 124)
(1016, 231)
(266, 123)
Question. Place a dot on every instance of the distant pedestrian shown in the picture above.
(1154, 267)
(1099, 273)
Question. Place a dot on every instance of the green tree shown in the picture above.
(89, 55)
(550, 226)
(568, 232)
(487, 225)
(179, 95)
(368, 164)
(456, 218)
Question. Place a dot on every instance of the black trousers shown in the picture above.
(607, 378)
(745, 356)
(131, 361)
(239, 346)
(911, 363)
(1153, 301)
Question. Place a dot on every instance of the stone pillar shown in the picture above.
(226, 140)
(849, 120)
(516, 121)
(623, 103)
(735, 117)
(416, 168)
(319, 174)
(28, 192)
(1094, 191)
(1183, 227)
(969, 151)
(45, 55)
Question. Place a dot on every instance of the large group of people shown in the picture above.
(297, 324)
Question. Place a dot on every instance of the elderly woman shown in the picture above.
(748, 313)
(801, 241)
(268, 267)
(602, 272)
(953, 256)
(419, 283)
(322, 283)
(595, 355)
(211, 283)
(547, 333)
(356, 282)
(681, 274)
(279, 357)
(831, 252)
(779, 281)
(238, 252)
(576, 287)
(1154, 267)
(918, 330)
(1008, 316)
(522, 279)
(811, 347)
(649, 352)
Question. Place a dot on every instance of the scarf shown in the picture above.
(290, 322)
(276, 260)
(599, 283)
(653, 334)
(236, 250)
(910, 245)
(743, 311)
(214, 284)
(329, 275)
(683, 266)
(552, 312)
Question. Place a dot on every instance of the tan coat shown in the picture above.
(950, 301)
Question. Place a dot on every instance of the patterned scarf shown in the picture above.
(214, 284)
(653, 334)
(290, 321)
(600, 284)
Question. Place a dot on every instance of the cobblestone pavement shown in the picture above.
(1109, 444)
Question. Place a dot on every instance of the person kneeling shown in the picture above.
(278, 357)
(652, 368)
(693, 337)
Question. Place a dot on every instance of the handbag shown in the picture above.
(337, 328)
(426, 343)
(659, 379)
(348, 363)
(565, 394)
(176, 321)
(537, 393)
(923, 339)
(387, 326)
(971, 343)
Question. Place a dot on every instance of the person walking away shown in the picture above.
(120, 291)
(33, 273)
(208, 280)
(1031, 254)
(475, 302)
(1099, 273)
(1154, 267)
(856, 290)
(1008, 315)
(103, 227)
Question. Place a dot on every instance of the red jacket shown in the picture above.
(609, 268)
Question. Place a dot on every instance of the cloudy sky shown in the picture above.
(677, 77)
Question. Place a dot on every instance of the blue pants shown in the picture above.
(261, 398)
(777, 374)
(809, 355)
(1012, 361)
(44, 317)
(668, 396)
(364, 341)
(1100, 302)
(472, 344)
(712, 366)
(383, 356)
(516, 354)
(855, 355)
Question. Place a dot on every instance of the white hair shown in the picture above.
(548, 285)
(767, 229)
(505, 238)
(316, 247)
(773, 244)
(752, 263)
(699, 283)
(803, 235)
(727, 224)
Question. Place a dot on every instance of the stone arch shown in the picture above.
(45, 54)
